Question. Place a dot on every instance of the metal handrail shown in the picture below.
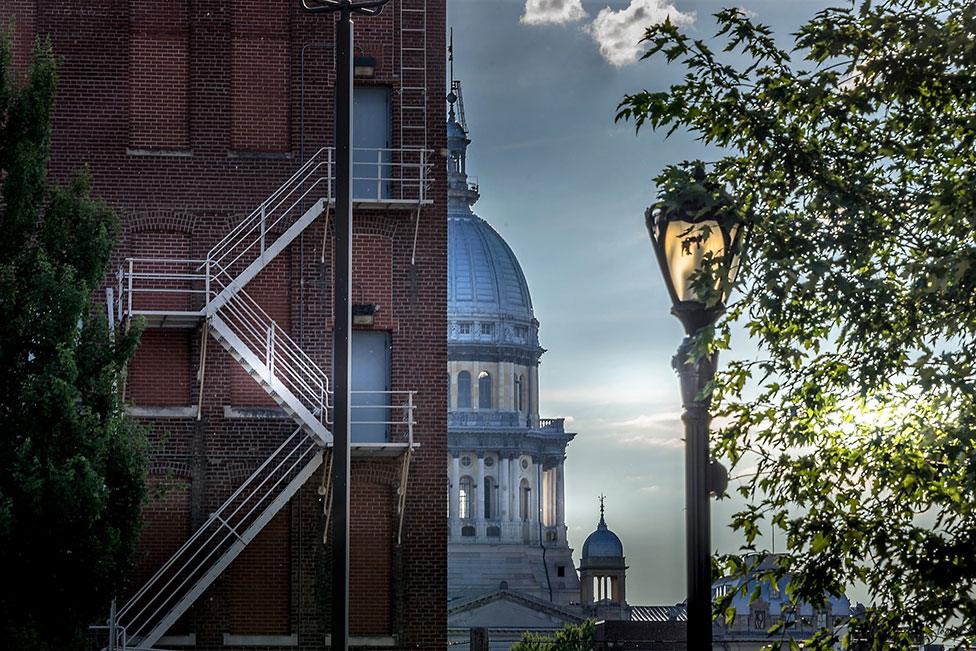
(134, 621)
(401, 174)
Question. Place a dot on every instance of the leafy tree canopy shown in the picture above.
(572, 638)
(852, 154)
(71, 464)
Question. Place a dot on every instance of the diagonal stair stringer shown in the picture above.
(225, 559)
(265, 257)
(274, 387)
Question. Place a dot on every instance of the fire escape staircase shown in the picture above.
(183, 293)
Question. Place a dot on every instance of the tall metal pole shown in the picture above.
(343, 329)
(694, 376)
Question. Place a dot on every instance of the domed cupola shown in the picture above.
(602, 543)
(603, 570)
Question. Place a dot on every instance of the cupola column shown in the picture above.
(536, 495)
(513, 490)
(534, 396)
(503, 488)
(560, 501)
(477, 510)
(455, 490)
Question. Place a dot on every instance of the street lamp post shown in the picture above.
(342, 285)
(698, 250)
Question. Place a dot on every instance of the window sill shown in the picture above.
(259, 155)
(161, 412)
(165, 153)
(260, 640)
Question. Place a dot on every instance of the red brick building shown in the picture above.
(196, 120)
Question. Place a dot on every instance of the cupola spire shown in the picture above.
(461, 193)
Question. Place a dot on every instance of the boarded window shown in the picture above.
(158, 74)
(260, 76)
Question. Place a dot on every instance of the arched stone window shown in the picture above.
(484, 390)
(524, 500)
(464, 390)
(491, 498)
(464, 493)
(519, 392)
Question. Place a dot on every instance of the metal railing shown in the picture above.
(378, 176)
(397, 409)
(184, 571)
(283, 359)
(147, 285)
(144, 282)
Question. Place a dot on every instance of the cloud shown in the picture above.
(618, 33)
(651, 440)
(662, 430)
(662, 420)
(552, 12)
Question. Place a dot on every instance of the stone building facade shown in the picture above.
(190, 116)
(509, 561)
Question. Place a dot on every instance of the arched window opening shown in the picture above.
(464, 503)
(491, 498)
(524, 500)
(518, 393)
(464, 390)
(484, 390)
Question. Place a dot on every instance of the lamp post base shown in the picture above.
(694, 377)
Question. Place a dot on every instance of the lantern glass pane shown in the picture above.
(686, 245)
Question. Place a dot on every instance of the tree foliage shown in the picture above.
(852, 153)
(71, 464)
(571, 638)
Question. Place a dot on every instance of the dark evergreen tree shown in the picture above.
(71, 464)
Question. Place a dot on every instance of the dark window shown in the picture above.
(484, 390)
(560, 570)
(487, 329)
(464, 328)
(464, 390)
(490, 495)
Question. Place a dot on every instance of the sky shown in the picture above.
(567, 189)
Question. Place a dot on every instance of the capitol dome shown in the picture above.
(485, 278)
(488, 299)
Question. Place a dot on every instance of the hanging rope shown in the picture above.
(413, 258)
(325, 232)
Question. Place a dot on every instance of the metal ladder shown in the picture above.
(413, 78)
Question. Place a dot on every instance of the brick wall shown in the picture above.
(257, 585)
(259, 76)
(158, 74)
(188, 115)
(159, 374)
